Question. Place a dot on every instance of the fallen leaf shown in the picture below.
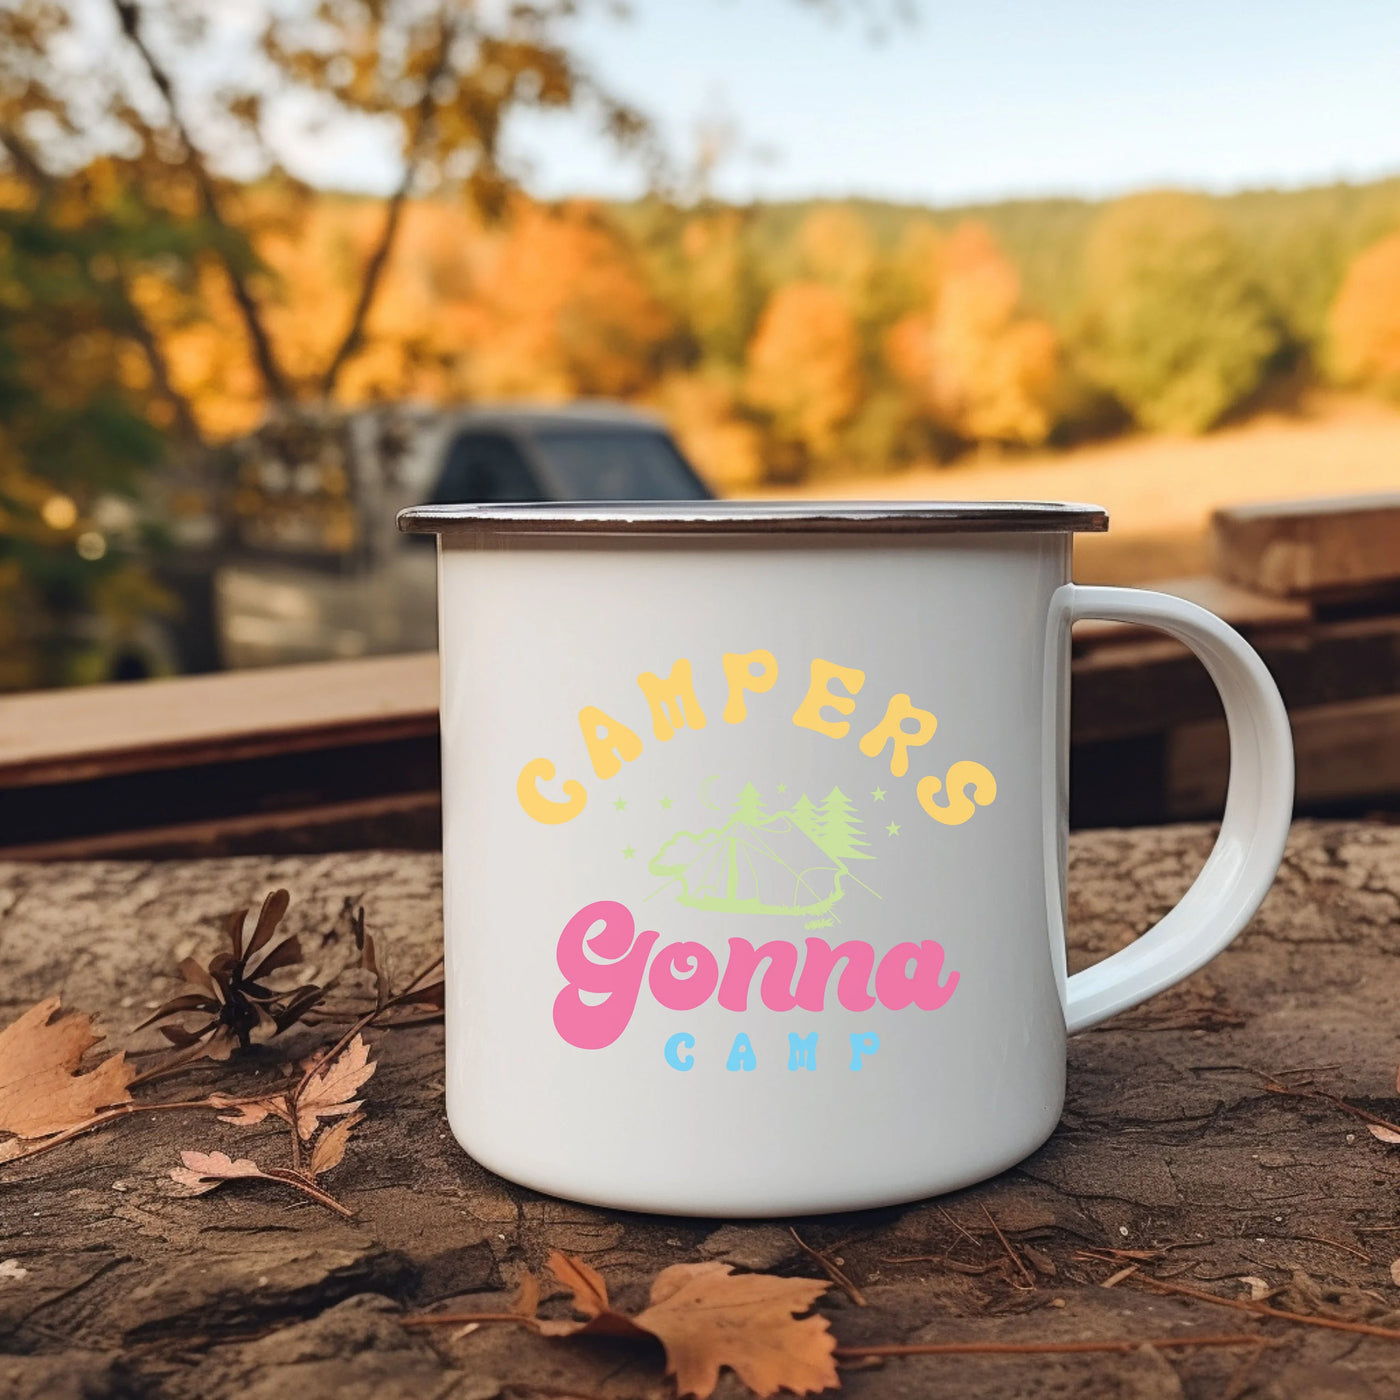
(1385, 1134)
(584, 1282)
(41, 1091)
(1395, 1273)
(13, 1270)
(329, 1093)
(203, 1171)
(707, 1317)
(329, 1151)
(250, 1112)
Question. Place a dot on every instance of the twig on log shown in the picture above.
(832, 1271)
(1334, 1324)
(1225, 1339)
(1229, 1339)
(1011, 1253)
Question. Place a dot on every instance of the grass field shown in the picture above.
(1160, 491)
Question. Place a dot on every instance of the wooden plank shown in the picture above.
(1346, 752)
(401, 821)
(97, 731)
(1144, 687)
(1240, 607)
(1324, 548)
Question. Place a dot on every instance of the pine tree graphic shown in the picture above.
(839, 831)
(806, 818)
(749, 806)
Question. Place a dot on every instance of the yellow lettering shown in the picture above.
(819, 697)
(542, 808)
(959, 806)
(610, 744)
(891, 730)
(738, 671)
(673, 703)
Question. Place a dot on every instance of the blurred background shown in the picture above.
(271, 270)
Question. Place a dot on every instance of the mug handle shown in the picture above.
(1258, 805)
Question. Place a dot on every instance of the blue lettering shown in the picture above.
(863, 1043)
(742, 1055)
(802, 1050)
(682, 1040)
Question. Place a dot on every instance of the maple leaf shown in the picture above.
(707, 1317)
(329, 1091)
(41, 1090)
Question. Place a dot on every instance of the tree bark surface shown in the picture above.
(1171, 1143)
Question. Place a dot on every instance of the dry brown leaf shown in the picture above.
(583, 1281)
(203, 1171)
(329, 1151)
(249, 1113)
(330, 1092)
(1385, 1134)
(1395, 1273)
(707, 1317)
(41, 1091)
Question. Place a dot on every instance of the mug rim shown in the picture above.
(754, 517)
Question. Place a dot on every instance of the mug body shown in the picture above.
(753, 846)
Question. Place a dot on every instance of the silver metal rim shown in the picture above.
(754, 518)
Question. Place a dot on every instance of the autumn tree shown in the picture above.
(1364, 322)
(563, 309)
(978, 365)
(1176, 323)
(804, 366)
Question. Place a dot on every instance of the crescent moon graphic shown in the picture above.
(705, 792)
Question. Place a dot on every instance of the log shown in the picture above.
(1171, 1144)
(1319, 549)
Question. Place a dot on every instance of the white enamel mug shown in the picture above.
(754, 843)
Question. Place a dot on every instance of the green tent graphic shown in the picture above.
(791, 862)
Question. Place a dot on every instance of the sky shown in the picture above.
(977, 101)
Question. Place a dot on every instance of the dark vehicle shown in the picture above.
(315, 566)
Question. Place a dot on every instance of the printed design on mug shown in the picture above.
(763, 860)
(791, 862)
(674, 706)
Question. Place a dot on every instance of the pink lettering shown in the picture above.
(896, 987)
(591, 1027)
(604, 959)
(853, 989)
(776, 988)
(683, 975)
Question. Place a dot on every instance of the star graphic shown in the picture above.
(628, 853)
(782, 787)
(893, 828)
(620, 805)
(665, 804)
(878, 794)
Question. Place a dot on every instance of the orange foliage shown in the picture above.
(563, 310)
(704, 412)
(804, 364)
(1364, 323)
(978, 367)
